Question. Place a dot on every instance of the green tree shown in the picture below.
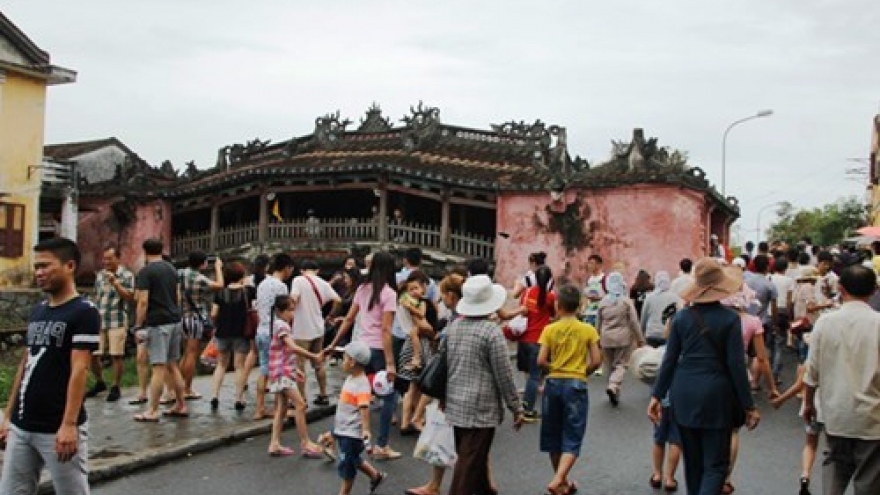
(824, 225)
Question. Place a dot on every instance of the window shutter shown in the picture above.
(11, 230)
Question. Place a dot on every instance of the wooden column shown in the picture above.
(444, 220)
(383, 208)
(263, 222)
(215, 226)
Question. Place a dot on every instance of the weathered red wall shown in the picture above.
(152, 219)
(642, 226)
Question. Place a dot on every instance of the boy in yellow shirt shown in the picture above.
(570, 352)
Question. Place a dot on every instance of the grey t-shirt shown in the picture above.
(356, 393)
(160, 279)
(765, 291)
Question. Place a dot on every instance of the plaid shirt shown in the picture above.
(194, 287)
(480, 375)
(113, 309)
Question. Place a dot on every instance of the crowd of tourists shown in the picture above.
(710, 338)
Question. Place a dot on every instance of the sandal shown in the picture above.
(143, 418)
(281, 452)
(671, 487)
(138, 401)
(655, 482)
(312, 452)
(321, 400)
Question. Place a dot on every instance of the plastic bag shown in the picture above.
(436, 444)
(209, 355)
(645, 362)
(518, 325)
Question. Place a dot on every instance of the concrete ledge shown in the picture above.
(122, 465)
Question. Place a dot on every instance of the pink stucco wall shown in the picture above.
(642, 226)
(152, 219)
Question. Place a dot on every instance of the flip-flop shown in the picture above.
(671, 487)
(192, 397)
(282, 452)
(137, 401)
(419, 491)
(410, 430)
(656, 483)
(175, 414)
(143, 418)
(167, 401)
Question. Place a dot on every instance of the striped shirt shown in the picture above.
(194, 287)
(113, 308)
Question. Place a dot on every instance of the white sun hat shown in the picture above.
(480, 297)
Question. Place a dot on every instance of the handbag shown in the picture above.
(207, 324)
(251, 319)
(433, 378)
(738, 412)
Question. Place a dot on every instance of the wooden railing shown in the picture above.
(338, 230)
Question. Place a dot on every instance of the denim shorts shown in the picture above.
(564, 415)
(666, 431)
(263, 341)
(239, 345)
(349, 458)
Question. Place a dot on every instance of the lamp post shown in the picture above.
(761, 113)
(759, 217)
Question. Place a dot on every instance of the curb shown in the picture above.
(154, 457)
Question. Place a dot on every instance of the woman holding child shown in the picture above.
(376, 302)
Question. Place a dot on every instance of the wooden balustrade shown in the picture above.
(338, 230)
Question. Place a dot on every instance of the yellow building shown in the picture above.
(874, 174)
(25, 73)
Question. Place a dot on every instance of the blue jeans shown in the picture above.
(349, 458)
(530, 357)
(564, 415)
(389, 402)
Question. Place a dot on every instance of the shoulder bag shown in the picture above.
(207, 324)
(738, 411)
(433, 378)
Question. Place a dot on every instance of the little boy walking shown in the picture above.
(352, 424)
(570, 351)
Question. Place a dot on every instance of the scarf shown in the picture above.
(615, 287)
(662, 282)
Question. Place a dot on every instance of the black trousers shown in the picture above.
(471, 473)
(706, 458)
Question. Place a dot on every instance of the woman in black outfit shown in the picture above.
(229, 313)
(704, 373)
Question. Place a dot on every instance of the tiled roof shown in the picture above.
(20, 41)
(69, 151)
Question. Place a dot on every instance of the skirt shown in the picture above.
(406, 355)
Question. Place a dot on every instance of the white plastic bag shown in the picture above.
(436, 444)
(518, 325)
(645, 362)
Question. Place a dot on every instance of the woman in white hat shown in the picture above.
(705, 375)
(478, 387)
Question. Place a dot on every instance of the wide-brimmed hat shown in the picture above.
(480, 297)
(712, 282)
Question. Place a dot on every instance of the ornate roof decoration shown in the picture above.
(374, 121)
(330, 128)
(523, 131)
(422, 124)
(229, 156)
(643, 156)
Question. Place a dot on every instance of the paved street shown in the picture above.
(616, 462)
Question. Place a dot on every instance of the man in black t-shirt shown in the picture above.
(45, 406)
(158, 313)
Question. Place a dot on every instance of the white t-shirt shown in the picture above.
(683, 281)
(308, 322)
(784, 286)
(269, 289)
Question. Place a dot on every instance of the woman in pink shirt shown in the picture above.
(374, 304)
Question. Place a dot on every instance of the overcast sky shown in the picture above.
(179, 79)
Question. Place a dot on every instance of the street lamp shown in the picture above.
(759, 216)
(761, 113)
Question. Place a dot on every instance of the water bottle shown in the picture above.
(368, 447)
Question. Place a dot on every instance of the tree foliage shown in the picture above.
(826, 225)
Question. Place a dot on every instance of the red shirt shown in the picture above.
(538, 317)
